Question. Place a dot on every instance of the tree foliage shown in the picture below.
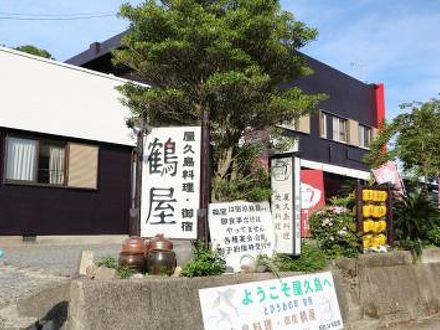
(30, 49)
(413, 138)
(226, 57)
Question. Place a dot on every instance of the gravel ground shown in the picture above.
(59, 260)
(29, 269)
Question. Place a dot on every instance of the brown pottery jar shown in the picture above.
(134, 260)
(159, 243)
(134, 245)
(161, 262)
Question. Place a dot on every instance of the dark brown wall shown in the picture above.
(347, 98)
(32, 210)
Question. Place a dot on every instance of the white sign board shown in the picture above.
(297, 302)
(241, 231)
(286, 207)
(171, 182)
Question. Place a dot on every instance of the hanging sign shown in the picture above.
(241, 231)
(171, 182)
(297, 302)
(286, 206)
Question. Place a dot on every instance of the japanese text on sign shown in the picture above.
(299, 302)
(241, 229)
(171, 180)
(285, 204)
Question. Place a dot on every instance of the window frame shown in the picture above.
(364, 129)
(323, 127)
(337, 137)
(35, 183)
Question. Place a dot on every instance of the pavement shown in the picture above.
(28, 269)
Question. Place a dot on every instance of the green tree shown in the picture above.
(412, 137)
(30, 49)
(226, 57)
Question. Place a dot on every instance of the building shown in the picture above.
(65, 150)
(334, 140)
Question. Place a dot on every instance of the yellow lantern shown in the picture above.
(369, 225)
(380, 240)
(366, 211)
(367, 240)
(381, 226)
(365, 195)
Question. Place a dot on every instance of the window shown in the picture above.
(45, 162)
(339, 129)
(365, 134)
(323, 124)
(302, 124)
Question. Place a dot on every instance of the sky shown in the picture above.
(390, 41)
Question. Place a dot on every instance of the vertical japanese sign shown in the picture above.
(297, 302)
(286, 204)
(171, 182)
(241, 230)
(312, 196)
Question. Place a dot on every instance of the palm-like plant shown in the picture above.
(415, 216)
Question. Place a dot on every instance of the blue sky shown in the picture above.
(389, 41)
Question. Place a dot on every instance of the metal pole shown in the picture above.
(135, 213)
(205, 182)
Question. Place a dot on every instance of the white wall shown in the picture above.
(47, 96)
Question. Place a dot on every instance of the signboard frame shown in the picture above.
(294, 179)
(171, 196)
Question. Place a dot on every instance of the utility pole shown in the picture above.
(205, 182)
(135, 213)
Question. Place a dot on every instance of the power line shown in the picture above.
(56, 15)
(66, 18)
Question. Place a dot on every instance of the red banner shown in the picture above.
(312, 196)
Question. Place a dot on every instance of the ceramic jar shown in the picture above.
(161, 262)
(136, 261)
(133, 253)
(159, 243)
(160, 257)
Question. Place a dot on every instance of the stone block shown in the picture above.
(85, 260)
(104, 273)
(431, 255)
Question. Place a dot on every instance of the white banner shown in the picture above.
(171, 182)
(241, 231)
(286, 205)
(297, 302)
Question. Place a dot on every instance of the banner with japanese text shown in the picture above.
(297, 302)
(286, 205)
(388, 173)
(241, 231)
(171, 182)
(312, 196)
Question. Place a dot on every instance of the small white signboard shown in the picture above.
(286, 207)
(241, 231)
(171, 182)
(297, 302)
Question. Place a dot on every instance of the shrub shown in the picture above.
(205, 262)
(312, 259)
(434, 236)
(122, 271)
(416, 219)
(335, 231)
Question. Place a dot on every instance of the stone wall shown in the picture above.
(373, 291)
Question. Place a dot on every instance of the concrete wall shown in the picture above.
(373, 291)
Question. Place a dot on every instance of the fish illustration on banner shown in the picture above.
(312, 196)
